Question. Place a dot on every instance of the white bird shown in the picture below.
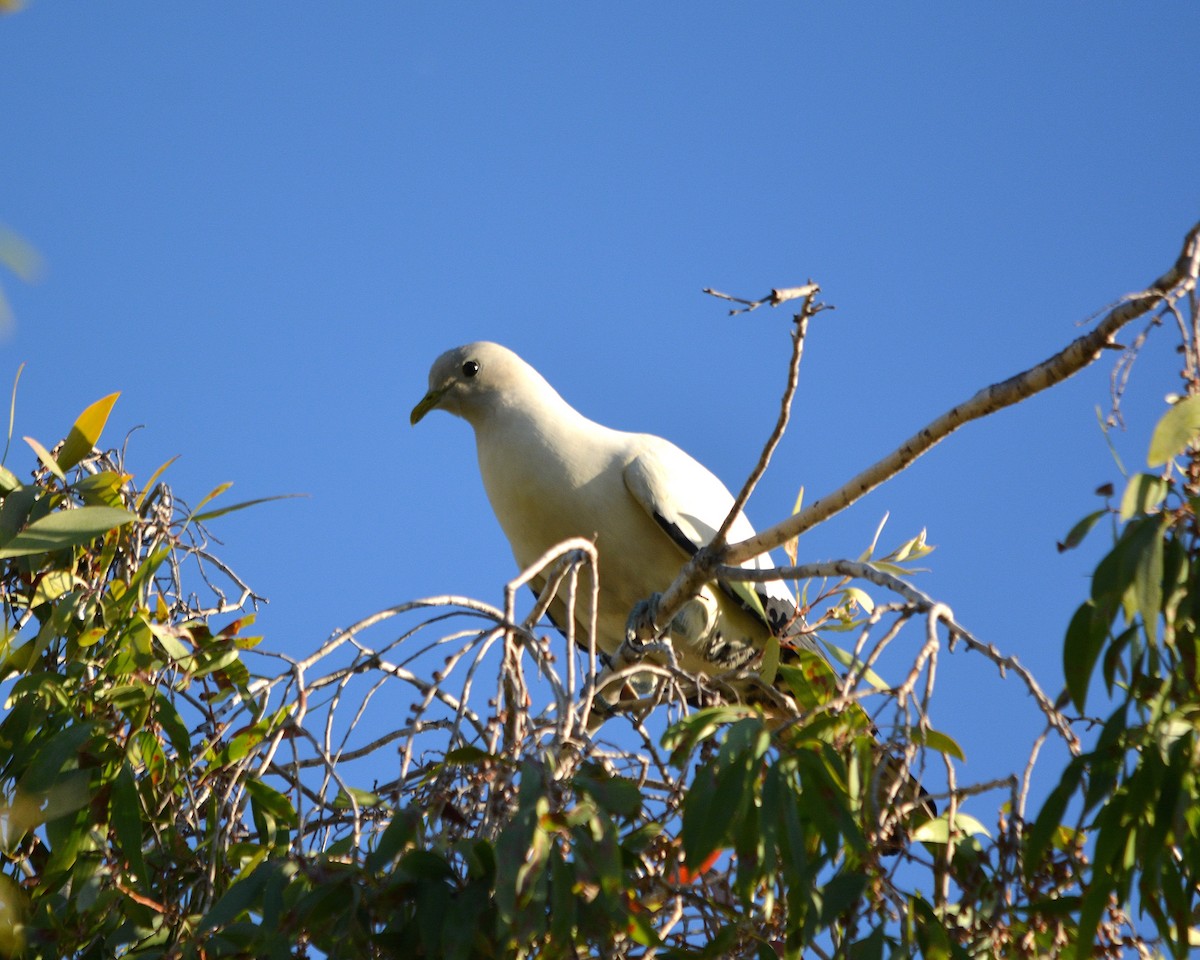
(551, 474)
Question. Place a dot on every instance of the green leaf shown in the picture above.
(1050, 818)
(125, 814)
(59, 752)
(1081, 649)
(65, 528)
(1177, 428)
(870, 551)
(15, 511)
(172, 723)
(682, 736)
(470, 755)
(1143, 494)
(1076, 534)
(839, 894)
(615, 795)
(271, 810)
(563, 904)
(703, 824)
(395, 838)
(149, 485)
(1091, 908)
(101, 489)
(943, 743)
(1148, 577)
(85, 434)
(931, 934)
(212, 514)
(239, 898)
(348, 797)
(869, 947)
(53, 585)
(168, 638)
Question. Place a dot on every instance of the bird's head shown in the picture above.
(473, 380)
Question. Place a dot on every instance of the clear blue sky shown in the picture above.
(262, 221)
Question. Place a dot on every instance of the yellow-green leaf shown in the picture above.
(149, 485)
(221, 511)
(861, 597)
(1143, 494)
(1178, 427)
(89, 637)
(52, 586)
(770, 661)
(938, 831)
(750, 599)
(849, 661)
(943, 743)
(85, 434)
(216, 491)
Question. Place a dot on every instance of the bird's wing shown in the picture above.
(689, 503)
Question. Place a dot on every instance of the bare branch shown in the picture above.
(1177, 282)
(774, 298)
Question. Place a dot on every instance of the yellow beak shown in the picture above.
(428, 402)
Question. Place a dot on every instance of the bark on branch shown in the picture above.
(1177, 282)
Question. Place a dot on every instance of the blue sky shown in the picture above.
(261, 223)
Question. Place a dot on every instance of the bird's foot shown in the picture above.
(640, 628)
(642, 641)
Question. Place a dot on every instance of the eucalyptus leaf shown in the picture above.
(46, 458)
(85, 434)
(1076, 534)
(1143, 494)
(938, 829)
(1178, 427)
(65, 528)
(221, 511)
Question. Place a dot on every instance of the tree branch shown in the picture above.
(1178, 281)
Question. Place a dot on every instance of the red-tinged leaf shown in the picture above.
(212, 495)
(685, 874)
(235, 627)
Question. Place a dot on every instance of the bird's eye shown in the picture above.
(470, 368)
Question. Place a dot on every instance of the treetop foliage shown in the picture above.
(172, 787)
